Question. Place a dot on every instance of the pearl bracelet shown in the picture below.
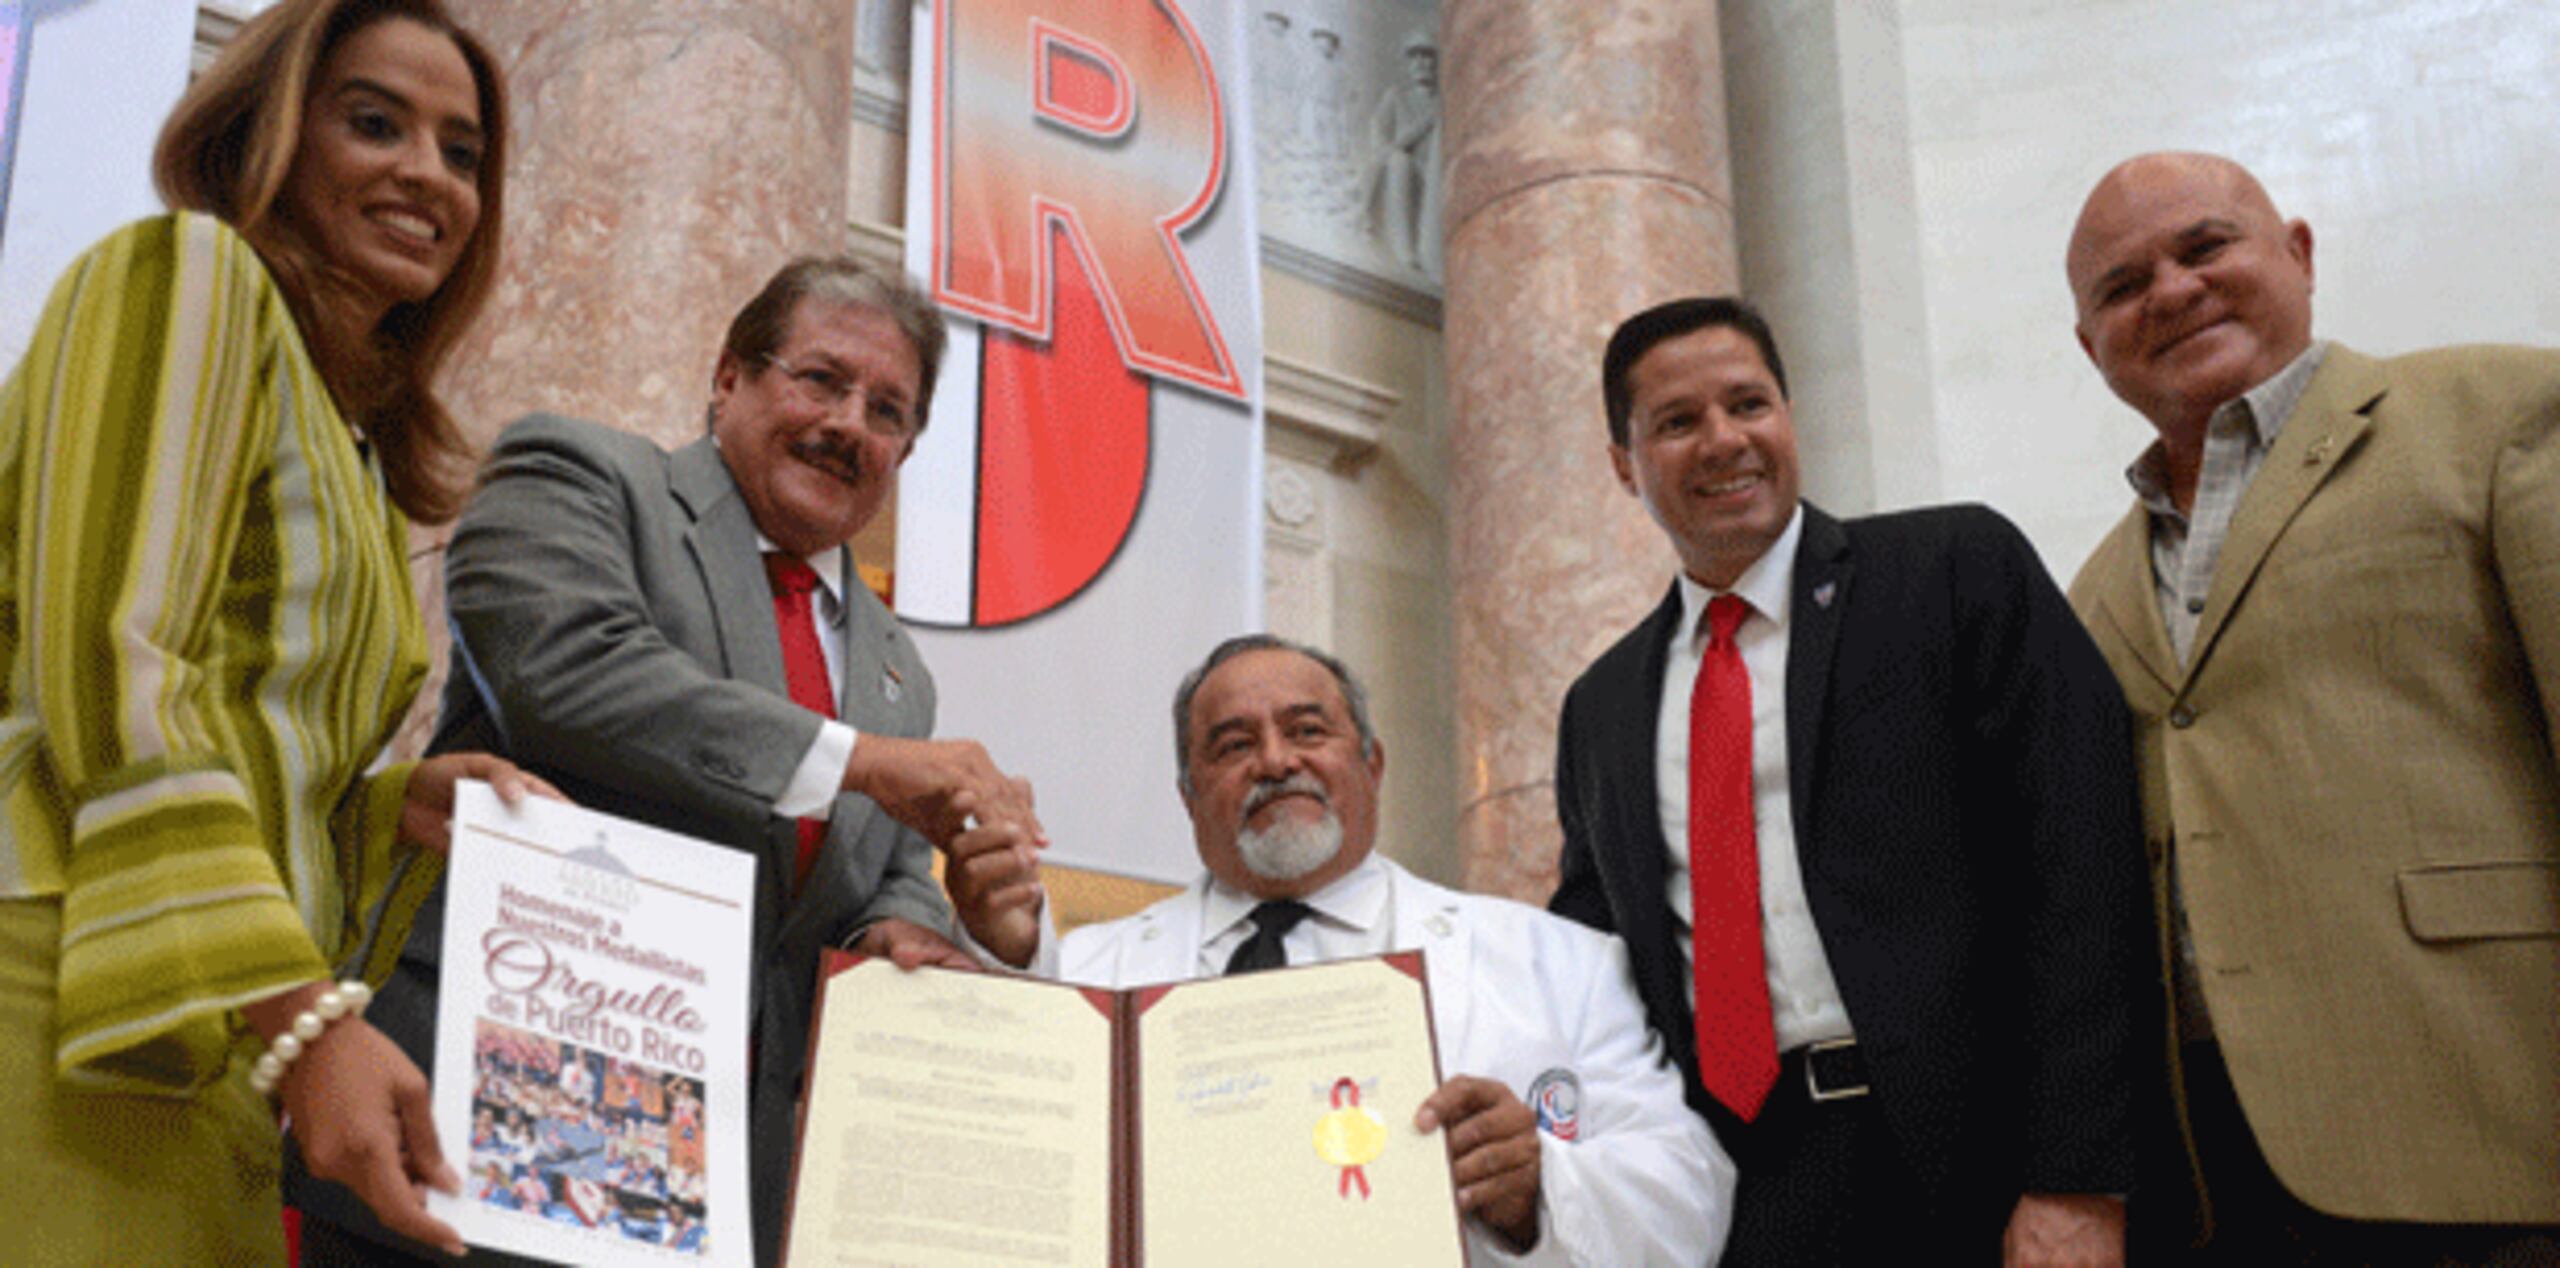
(346, 999)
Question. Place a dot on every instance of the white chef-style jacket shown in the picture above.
(1628, 1175)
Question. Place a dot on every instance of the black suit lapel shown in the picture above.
(1821, 594)
(1645, 869)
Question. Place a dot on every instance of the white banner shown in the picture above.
(1083, 519)
(84, 88)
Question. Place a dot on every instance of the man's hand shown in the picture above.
(910, 945)
(2065, 1230)
(933, 786)
(360, 1109)
(993, 875)
(426, 808)
(1493, 1153)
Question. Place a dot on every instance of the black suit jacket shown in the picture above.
(1959, 762)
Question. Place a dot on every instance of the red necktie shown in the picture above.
(804, 666)
(1737, 1044)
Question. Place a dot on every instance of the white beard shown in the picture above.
(1290, 849)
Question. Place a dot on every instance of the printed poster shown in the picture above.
(595, 992)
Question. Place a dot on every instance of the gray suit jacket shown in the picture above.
(614, 632)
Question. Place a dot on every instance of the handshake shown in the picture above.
(982, 820)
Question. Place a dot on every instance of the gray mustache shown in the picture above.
(845, 455)
(1267, 791)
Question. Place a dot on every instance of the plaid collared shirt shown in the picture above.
(2185, 546)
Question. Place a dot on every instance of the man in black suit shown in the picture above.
(1880, 769)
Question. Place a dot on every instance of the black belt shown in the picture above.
(1831, 1070)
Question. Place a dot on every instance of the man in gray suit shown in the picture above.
(660, 635)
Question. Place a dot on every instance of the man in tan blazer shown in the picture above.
(2335, 612)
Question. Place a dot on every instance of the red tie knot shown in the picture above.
(1725, 614)
(789, 574)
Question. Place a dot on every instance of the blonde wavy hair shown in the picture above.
(227, 150)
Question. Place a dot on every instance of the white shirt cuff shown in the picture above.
(811, 794)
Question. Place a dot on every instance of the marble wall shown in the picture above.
(2418, 138)
(669, 157)
(1589, 178)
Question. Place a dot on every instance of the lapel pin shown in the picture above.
(891, 685)
(1822, 593)
(1438, 926)
(2319, 450)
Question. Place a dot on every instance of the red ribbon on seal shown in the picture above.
(1342, 1088)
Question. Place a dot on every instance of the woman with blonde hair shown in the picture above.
(209, 458)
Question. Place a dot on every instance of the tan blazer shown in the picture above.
(2356, 769)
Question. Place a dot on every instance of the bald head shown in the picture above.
(2191, 287)
(2147, 179)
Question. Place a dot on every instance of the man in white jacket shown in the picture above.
(1567, 1134)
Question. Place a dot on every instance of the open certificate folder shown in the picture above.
(979, 1119)
(591, 1037)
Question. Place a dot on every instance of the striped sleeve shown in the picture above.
(397, 880)
(149, 411)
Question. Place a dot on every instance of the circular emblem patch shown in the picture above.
(1557, 1097)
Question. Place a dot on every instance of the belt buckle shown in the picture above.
(1813, 1084)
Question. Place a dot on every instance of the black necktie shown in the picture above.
(1272, 921)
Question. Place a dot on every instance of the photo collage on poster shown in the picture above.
(563, 1133)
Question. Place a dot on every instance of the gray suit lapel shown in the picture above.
(863, 694)
(722, 540)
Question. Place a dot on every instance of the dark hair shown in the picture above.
(1353, 695)
(758, 330)
(1637, 336)
(227, 150)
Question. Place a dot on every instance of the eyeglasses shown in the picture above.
(826, 389)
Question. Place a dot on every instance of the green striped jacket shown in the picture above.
(210, 636)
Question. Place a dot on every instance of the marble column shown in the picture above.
(666, 157)
(1587, 178)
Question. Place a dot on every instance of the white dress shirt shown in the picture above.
(1804, 1001)
(1351, 920)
